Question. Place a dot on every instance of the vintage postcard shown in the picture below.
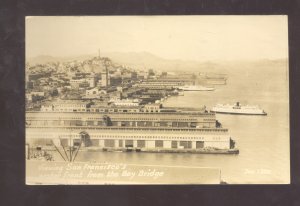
(157, 100)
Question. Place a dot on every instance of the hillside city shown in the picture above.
(83, 85)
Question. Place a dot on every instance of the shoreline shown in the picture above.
(154, 150)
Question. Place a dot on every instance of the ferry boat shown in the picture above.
(196, 88)
(237, 108)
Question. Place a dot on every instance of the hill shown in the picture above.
(145, 60)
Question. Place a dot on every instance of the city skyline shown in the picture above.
(197, 38)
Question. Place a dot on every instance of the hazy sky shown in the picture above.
(173, 37)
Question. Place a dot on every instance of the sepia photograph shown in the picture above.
(157, 100)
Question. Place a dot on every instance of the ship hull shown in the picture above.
(239, 113)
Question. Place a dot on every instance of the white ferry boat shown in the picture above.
(196, 88)
(238, 109)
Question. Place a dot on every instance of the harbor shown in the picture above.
(254, 135)
(122, 116)
(135, 132)
(189, 98)
(128, 114)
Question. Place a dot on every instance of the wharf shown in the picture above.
(166, 150)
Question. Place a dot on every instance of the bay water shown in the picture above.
(263, 141)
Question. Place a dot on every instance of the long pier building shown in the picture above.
(144, 128)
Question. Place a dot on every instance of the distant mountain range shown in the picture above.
(145, 60)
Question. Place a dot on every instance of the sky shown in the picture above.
(200, 38)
